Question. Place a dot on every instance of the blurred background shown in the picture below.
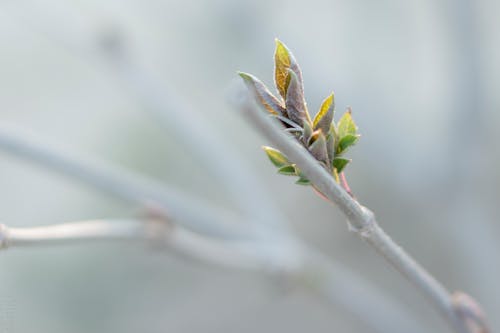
(421, 77)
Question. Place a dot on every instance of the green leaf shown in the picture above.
(324, 116)
(346, 125)
(263, 95)
(283, 61)
(288, 170)
(339, 163)
(307, 133)
(276, 157)
(302, 178)
(303, 181)
(346, 142)
(318, 149)
(295, 103)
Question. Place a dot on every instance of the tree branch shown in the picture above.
(227, 253)
(126, 185)
(313, 270)
(361, 220)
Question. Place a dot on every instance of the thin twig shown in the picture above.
(336, 284)
(126, 185)
(227, 253)
(361, 220)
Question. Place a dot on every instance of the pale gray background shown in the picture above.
(421, 76)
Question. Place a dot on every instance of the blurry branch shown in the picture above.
(202, 140)
(124, 184)
(69, 232)
(361, 220)
(339, 286)
(228, 253)
(209, 234)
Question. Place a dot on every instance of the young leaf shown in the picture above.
(263, 94)
(303, 181)
(283, 61)
(302, 178)
(324, 116)
(295, 104)
(339, 163)
(346, 125)
(307, 133)
(318, 149)
(276, 157)
(288, 170)
(346, 142)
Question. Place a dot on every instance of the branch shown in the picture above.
(126, 185)
(314, 271)
(227, 253)
(361, 220)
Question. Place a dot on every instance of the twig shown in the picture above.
(361, 220)
(316, 272)
(227, 253)
(126, 185)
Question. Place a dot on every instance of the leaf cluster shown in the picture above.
(325, 139)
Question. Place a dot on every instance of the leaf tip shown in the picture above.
(244, 76)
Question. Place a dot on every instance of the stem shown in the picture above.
(361, 220)
(334, 283)
(227, 253)
(127, 185)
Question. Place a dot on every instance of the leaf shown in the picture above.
(288, 170)
(263, 95)
(276, 157)
(339, 163)
(307, 133)
(303, 181)
(346, 125)
(283, 61)
(318, 149)
(295, 104)
(346, 142)
(324, 116)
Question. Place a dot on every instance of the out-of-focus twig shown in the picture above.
(182, 208)
(228, 253)
(316, 272)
